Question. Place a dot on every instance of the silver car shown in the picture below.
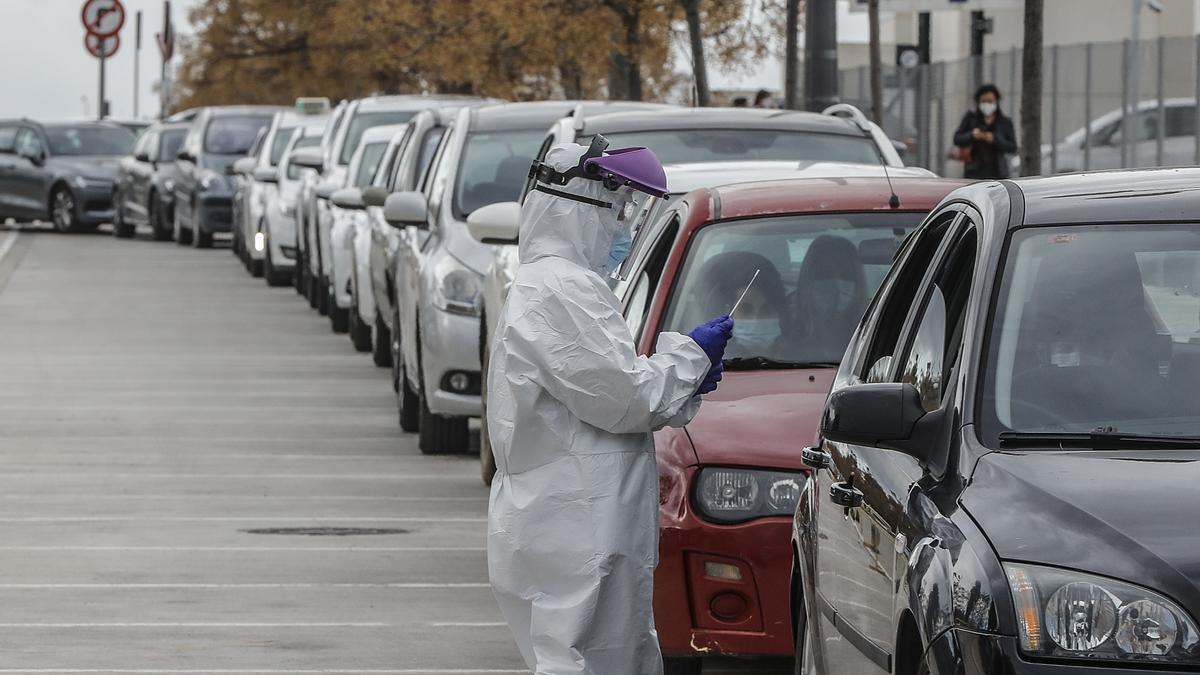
(257, 185)
(357, 117)
(279, 227)
(439, 269)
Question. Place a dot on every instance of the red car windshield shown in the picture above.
(815, 276)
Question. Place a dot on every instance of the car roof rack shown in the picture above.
(849, 112)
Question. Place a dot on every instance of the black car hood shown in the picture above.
(1129, 515)
(92, 166)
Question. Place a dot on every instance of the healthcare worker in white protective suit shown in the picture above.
(573, 520)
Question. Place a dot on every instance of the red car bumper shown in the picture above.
(722, 589)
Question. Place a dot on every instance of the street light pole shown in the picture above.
(1135, 67)
(103, 48)
(820, 55)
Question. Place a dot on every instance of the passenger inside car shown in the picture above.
(759, 320)
(830, 295)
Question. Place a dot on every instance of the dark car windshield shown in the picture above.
(371, 154)
(1097, 327)
(233, 134)
(280, 143)
(90, 140)
(169, 143)
(493, 168)
(683, 146)
(815, 276)
(364, 121)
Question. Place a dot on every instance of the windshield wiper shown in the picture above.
(764, 363)
(1099, 439)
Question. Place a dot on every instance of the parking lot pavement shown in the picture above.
(165, 421)
(168, 428)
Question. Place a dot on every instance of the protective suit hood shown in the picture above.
(575, 231)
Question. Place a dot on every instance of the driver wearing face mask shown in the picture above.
(759, 317)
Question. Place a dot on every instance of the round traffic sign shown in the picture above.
(101, 46)
(103, 18)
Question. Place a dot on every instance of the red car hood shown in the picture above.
(761, 418)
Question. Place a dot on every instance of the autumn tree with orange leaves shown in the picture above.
(272, 51)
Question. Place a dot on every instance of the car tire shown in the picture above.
(359, 330)
(121, 228)
(274, 277)
(311, 285)
(256, 268)
(182, 237)
(408, 404)
(323, 295)
(154, 216)
(298, 278)
(339, 318)
(200, 238)
(394, 349)
(440, 434)
(681, 666)
(487, 460)
(62, 210)
(381, 343)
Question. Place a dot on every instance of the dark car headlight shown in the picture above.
(85, 182)
(1065, 614)
(731, 495)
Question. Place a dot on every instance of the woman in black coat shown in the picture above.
(988, 134)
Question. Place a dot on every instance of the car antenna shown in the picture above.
(894, 199)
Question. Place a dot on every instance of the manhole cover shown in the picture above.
(327, 531)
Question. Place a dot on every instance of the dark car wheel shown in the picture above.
(381, 344)
(154, 215)
(299, 278)
(200, 238)
(274, 277)
(323, 295)
(408, 404)
(678, 666)
(394, 348)
(121, 228)
(440, 434)
(487, 461)
(62, 210)
(360, 331)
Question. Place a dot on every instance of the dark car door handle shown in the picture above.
(815, 457)
(845, 495)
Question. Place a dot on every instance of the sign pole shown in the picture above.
(137, 58)
(103, 47)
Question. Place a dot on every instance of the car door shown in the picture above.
(411, 254)
(134, 186)
(856, 561)
(8, 164)
(29, 175)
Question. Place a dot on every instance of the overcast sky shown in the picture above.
(47, 74)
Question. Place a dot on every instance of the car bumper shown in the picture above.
(214, 212)
(450, 344)
(700, 614)
(94, 204)
(281, 240)
(958, 652)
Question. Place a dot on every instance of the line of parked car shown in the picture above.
(1001, 379)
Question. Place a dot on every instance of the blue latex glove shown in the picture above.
(712, 337)
(711, 380)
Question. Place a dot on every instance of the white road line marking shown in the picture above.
(273, 671)
(201, 624)
(199, 586)
(235, 519)
(26, 475)
(255, 549)
(469, 624)
(7, 244)
(225, 497)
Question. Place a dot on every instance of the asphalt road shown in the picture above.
(166, 424)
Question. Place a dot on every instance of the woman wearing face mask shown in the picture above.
(986, 136)
(758, 325)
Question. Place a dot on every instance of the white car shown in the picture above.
(357, 117)
(1080, 151)
(277, 236)
(256, 187)
(347, 211)
(498, 224)
(483, 158)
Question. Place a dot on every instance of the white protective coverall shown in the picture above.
(573, 519)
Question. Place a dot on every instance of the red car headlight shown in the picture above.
(729, 495)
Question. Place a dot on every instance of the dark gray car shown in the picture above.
(204, 189)
(144, 190)
(60, 172)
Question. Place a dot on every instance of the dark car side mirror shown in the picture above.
(142, 157)
(36, 158)
(886, 415)
(185, 156)
(374, 195)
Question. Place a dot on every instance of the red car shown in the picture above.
(729, 481)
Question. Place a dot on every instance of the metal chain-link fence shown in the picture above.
(1085, 89)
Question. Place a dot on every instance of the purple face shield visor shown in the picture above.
(636, 168)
